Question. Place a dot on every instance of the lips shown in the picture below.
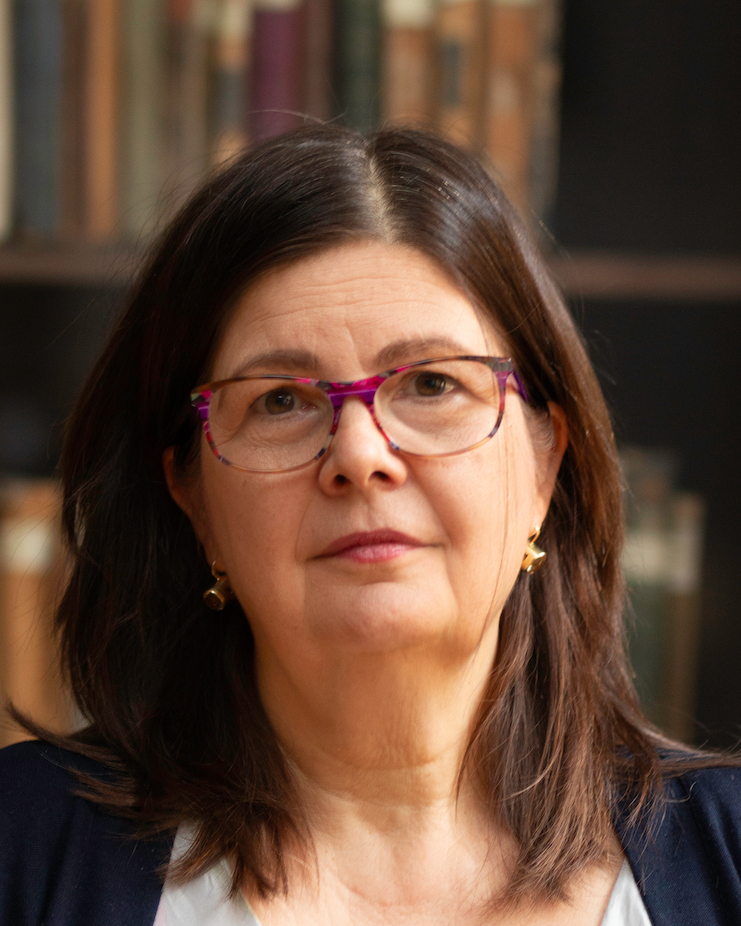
(371, 545)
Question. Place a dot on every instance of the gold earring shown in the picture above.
(534, 557)
(220, 593)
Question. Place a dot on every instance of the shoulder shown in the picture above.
(687, 856)
(40, 794)
(34, 773)
(716, 789)
(713, 797)
(63, 859)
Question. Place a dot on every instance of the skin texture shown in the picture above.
(371, 665)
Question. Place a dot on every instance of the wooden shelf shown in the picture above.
(582, 274)
(67, 265)
(679, 278)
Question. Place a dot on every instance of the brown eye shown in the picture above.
(279, 401)
(431, 384)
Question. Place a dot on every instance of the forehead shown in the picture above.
(351, 311)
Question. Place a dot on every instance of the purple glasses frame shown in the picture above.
(364, 389)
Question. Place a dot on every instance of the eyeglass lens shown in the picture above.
(269, 425)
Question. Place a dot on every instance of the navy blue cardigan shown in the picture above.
(64, 862)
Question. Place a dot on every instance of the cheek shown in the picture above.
(254, 525)
(484, 500)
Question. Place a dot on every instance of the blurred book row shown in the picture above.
(110, 110)
(31, 579)
(662, 561)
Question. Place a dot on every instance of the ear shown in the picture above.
(550, 461)
(560, 431)
(186, 495)
(180, 493)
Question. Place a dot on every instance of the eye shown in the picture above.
(432, 384)
(279, 401)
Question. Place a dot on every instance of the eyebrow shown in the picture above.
(410, 349)
(395, 354)
(283, 361)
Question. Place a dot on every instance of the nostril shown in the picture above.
(341, 480)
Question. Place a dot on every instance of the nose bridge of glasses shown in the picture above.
(364, 389)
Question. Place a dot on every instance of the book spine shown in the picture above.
(233, 30)
(142, 114)
(544, 144)
(38, 81)
(407, 61)
(358, 41)
(318, 45)
(190, 30)
(683, 643)
(75, 76)
(6, 120)
(194, 90)
(459, 38)
(510, 100)
(102, 108)
(277, 68)
(176, 53)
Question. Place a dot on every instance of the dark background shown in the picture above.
(650, 163)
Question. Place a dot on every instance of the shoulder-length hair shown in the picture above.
(168, 688)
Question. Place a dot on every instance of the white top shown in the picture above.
(625, 906)
(205, 900)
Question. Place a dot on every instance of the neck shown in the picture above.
(377, 746)
(378, 739)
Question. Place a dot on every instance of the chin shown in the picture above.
(383, 618)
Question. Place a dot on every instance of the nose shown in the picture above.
(359, 455)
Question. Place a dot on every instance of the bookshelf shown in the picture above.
(67, 265)
(614, 276)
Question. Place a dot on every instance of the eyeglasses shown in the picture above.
(432, 408)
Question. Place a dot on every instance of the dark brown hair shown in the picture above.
(169, 691)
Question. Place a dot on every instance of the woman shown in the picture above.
(347, 408)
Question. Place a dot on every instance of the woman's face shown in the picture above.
(461, 522)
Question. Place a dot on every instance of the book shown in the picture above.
(683, 601)
(544, 143)
(37, 98)
(459, 32)
(521, 103)
(276, 92)
(189, 36)
(101, 131)
(512, 54)
(408, 80)
(143, 106)
(74, 126)
(662, 563)
(358, 62)
(318, 44)
(31, 579)
(233, 29)
(6, 120)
